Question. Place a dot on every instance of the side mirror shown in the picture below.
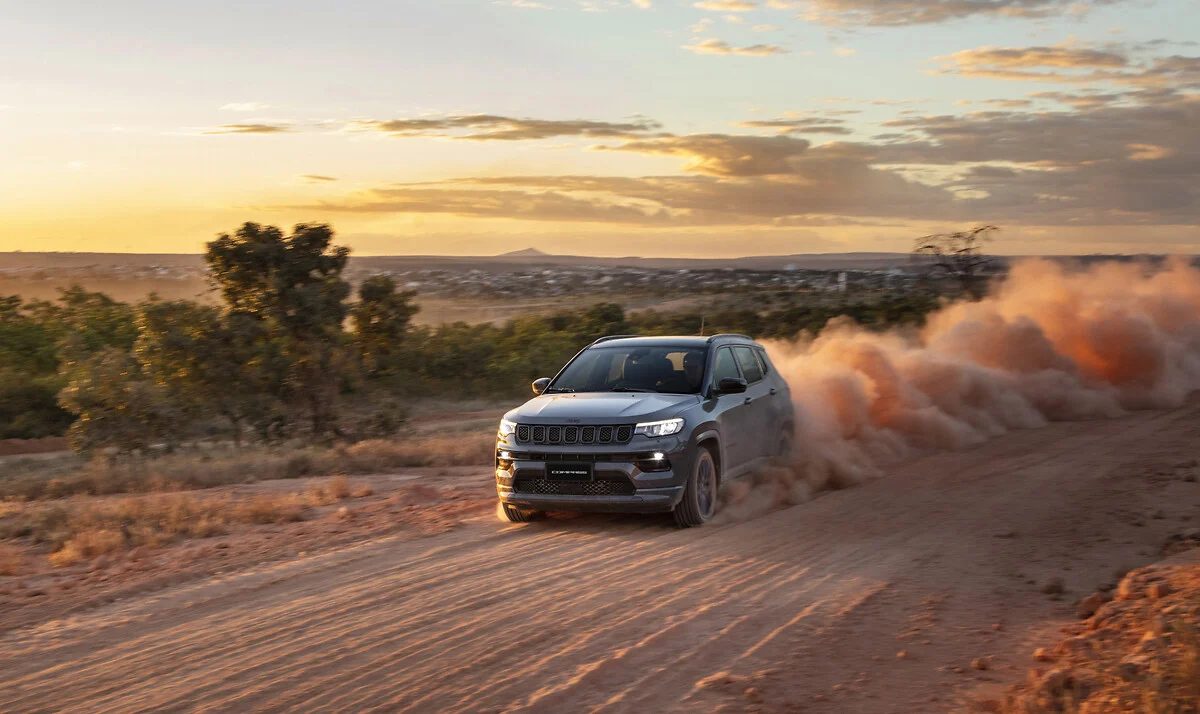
(539, 385)
(731, 385)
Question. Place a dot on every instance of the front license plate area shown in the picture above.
(576, 471)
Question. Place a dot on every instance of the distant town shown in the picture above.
(525, 274)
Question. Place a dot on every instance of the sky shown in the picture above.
(708, 128)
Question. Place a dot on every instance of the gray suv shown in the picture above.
(643, 424)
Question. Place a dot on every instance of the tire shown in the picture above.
(699, 502)
(520, 515)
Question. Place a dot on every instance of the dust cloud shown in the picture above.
(1049, 343)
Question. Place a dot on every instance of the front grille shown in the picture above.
(606, 434)
(600, 487)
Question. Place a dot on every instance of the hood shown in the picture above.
(600, 407)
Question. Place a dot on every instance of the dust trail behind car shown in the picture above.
(1048, 344)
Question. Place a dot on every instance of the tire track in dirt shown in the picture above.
(606, 613)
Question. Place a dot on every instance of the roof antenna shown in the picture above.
(702, 325)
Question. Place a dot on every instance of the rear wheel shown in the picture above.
(699, 501)
(520, 515)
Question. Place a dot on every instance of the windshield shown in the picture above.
(670, 370)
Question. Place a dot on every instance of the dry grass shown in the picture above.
(77, 531)
(87, 545)
(323, 494)
(194, 469)
(11, 560)
(448, 450)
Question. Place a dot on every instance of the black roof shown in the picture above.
(670, 340)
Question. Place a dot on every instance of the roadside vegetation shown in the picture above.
(79, 530)
(291, 354)
(220, 465)
(292, 373)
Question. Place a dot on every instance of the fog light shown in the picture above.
(504, 460)
(654, 461)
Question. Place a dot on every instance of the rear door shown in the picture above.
(782, 413)
(758, 409)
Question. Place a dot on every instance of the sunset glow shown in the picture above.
(604, 127)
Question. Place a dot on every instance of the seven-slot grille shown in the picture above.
(555, 434)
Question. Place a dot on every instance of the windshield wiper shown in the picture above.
(631, 389)
(557, 390)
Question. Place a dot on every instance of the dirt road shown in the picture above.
(872, 599)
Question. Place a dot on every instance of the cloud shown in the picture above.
(1009, 103)
(1082, 100)
(801, 125)
(244, 107)
(724, 154)
(841, 191)
(720, 47)
(318, 178)
(914, 12)
(1054, 56)
(490, 127)
(1136, 162)
(1071, 64)
(737, 180)
(726, 5)
(525, 4)
(533, 204)
(250, 129)
(1133, 162)
(1021, 63)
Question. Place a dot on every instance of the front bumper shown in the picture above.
(622, 480)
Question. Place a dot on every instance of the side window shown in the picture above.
(762, 360)
(749, 363)
(724, 366)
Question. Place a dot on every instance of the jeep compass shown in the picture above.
(642, 425)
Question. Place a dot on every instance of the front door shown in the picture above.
(733, 413)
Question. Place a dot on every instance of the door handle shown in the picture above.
(773, 390)
(748, 400)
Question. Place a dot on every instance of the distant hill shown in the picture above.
(524, 253)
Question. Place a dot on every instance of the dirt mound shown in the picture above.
(1139, 651)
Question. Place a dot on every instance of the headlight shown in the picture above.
(659, 428)
(507, 427)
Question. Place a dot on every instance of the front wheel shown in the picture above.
(519, 515)
(699, 501)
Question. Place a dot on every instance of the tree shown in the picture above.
(958, 256)
(89, 322)
(381, 321)
(211, 362)
(294, 285)
(116, 406)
